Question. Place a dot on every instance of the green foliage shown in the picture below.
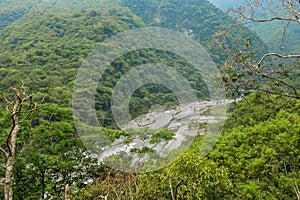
(49, 154)
(257, 157)
(49, 50)
(262, 155)
(51, 47)
(164, 134)
(200, 16)
(151, 94)
(190, 177)
(255, 108)
(142, 150)
(113, 134)
(294, 78)
(111, 184)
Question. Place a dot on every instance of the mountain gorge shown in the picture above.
(44, 44)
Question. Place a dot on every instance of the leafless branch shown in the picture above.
(248, 12)
(255, 69)
(4, 152)
(171, 189)
(277, 55)
(279, 93)
(104, 197)
(285, 28)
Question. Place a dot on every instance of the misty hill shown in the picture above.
(225, 5)
(271, 32)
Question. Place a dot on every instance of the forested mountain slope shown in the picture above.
(46, 46)
(45, 49)
(214, 29)
(11, 11)
(9, 16)
(44, 43)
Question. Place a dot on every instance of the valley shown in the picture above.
(235, 148)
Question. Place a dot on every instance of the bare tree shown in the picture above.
(269, 10)
(20, 107)
(245, 71)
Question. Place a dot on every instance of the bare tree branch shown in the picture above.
(4, 152)
(248, 13)
(277, 55)
(171, 189)
(279, 93)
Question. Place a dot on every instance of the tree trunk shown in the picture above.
(67, 192)
(14, 107)
(11, 143)
(8, 179)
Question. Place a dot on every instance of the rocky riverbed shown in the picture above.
(186, 121)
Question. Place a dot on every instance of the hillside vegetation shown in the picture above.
(44, 43)
(48, 45)
(256, 157)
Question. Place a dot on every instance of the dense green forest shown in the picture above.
(59, 42)
(44, 43)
